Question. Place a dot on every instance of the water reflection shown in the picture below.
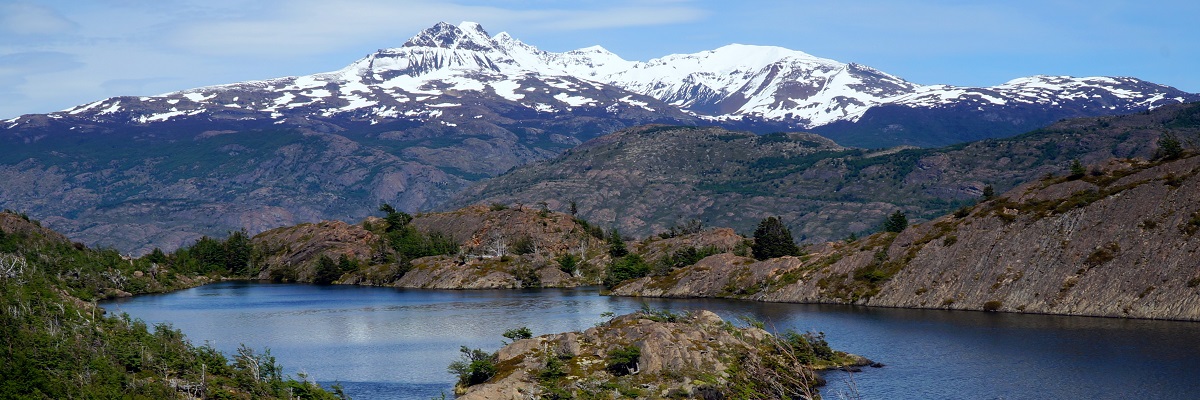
(395, 343)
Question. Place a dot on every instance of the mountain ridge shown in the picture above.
(731, 85)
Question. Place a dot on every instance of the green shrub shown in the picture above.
(687, 228)
(992, 305)
(552, 369)
(631, 266)
(527, 276)
(809, 347)
(1192, 225)
(524, 245)
(1174, 181)
(623, 360)
(568, 263)
(329, 271)
(1103, 255)
(475, 366)
(962, 212)
(516, 334)
(682, 258)
(660, 315)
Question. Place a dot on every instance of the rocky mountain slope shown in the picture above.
(415, 124)
(644, 180)
(659, 355)
(1118, 241)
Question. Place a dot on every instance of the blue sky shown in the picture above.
(58, 54)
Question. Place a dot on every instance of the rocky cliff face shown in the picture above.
(696, 355)
(1119, 241)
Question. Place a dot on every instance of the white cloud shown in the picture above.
(25, 19)
(314, 26)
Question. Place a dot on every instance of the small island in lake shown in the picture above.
(652, 354)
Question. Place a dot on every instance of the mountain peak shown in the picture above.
(592, 50)
(466, 36)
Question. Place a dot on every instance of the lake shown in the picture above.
(386, 343)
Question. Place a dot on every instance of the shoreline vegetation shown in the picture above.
(60, 344)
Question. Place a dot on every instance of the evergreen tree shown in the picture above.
(616, 244)
(896, 222)
(1077, 169)
(396, 220)
(773, 239)
(1169, 148)
(237, 253)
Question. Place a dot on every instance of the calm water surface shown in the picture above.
(383, 343)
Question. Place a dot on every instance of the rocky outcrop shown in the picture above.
(506, 272)
(720, 240)
(19, 224)
(658, 354)
(498, 229)
(1118, 241)
(294, 251)
(499, 247)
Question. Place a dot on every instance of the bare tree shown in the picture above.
(117, 278)
(497, 244)
(12, 265)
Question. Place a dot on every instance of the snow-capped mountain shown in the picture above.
(436, 74)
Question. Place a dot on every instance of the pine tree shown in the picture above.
(616, 245)
(897, 222)
(1077, 169)
(1169, 148)
(773, 239)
